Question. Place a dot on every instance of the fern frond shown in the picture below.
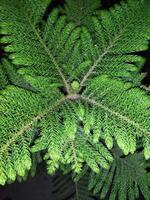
(123, 111)
(20, 112)
(35, 160)
(10, 76)
(3, 77)
(31, 47)
(111, 46)
(127, 176)
(67, 144)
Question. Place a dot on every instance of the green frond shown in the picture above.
(126, 178)
(146, 143)
(111, 45)
(45, 52)
(60, 36)
(122, 112)
(68, 144)
(10, 76)
(20, 112)
(35, 160)
(3, 77)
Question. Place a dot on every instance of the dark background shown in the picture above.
(40, 187)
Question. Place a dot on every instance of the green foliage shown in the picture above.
(79, 83)
(20, 111)
(3, 77)
(10, 76)
(114, 39)
(127, 176)
(36, 159)
(118, 102)
(68, 145)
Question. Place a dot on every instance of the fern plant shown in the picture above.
(76, 78)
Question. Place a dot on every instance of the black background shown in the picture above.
(40, 187)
